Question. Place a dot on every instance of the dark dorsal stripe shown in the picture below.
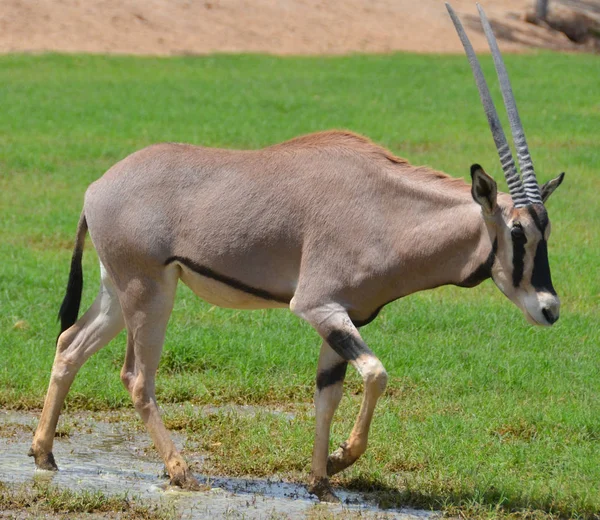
(232, 282)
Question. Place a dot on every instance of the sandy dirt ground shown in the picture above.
(167, 27)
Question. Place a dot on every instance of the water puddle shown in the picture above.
(112, 455)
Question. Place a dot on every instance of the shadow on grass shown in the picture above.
(468, 503)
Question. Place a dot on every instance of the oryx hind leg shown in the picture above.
(101, 323)
(344, 345)
(147, 305)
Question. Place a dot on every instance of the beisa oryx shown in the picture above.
(329, 224)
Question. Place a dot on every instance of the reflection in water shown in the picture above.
(115, 458)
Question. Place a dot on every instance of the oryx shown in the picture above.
(329, 224)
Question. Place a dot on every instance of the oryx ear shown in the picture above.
(548, 188)
(483, 189)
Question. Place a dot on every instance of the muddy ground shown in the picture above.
(111, 453)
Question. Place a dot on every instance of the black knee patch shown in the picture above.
(346, 345)
(331, 376)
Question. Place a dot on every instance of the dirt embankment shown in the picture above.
(165, 27)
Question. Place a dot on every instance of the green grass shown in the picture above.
(41, 500)
(484, 415)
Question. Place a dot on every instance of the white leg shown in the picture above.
(330, 380)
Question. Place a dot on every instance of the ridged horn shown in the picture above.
(509, 168)
(532, 188)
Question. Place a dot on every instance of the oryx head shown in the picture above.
(520, 230)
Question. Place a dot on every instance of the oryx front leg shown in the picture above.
(330, 380)
(375, 380)
(343, 345)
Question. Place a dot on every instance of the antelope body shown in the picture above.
(329, 224)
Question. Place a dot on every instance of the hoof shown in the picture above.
(186, 481)
(322, 489)
(340, 459)
(44, 460)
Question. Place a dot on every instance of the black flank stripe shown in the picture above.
(332, 375)
(232, 282)
(346, 345)
(541, 279)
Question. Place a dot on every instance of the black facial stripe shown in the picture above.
(332, 375)
(232, 282)
(346, 345)
(540, 219)
(518, 261)
(540, 278)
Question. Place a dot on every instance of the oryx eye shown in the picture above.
(517, 233)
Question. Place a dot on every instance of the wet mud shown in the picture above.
(111, 454)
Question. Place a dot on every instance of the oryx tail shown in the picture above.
(69, 308)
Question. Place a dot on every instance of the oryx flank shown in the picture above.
(329, 224)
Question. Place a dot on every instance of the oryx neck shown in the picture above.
(449, 246)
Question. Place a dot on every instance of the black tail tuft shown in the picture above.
(70, 306)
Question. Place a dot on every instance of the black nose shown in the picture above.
(549, 316)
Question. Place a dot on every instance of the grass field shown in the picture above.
(484, 415)
(45, 501)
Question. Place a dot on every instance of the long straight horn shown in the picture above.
(532, 188)
(513, 180)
